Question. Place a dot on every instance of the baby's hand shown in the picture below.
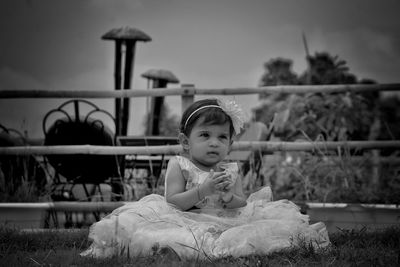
(213, 183)
(226, 183)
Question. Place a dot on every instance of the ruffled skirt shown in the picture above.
(145, 227)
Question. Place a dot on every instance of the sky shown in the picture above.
(57, 45)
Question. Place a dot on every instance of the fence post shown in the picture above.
(124, 37)
(187, 97)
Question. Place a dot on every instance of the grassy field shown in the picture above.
(62, 248)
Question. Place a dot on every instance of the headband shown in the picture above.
(229, 108)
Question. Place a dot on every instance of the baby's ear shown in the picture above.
(184, 141)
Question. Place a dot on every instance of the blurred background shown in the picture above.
(57, 45)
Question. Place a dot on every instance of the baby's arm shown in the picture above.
(175, 188)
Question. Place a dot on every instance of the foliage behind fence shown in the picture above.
(304, 174)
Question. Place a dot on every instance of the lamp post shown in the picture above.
(160, 78)
(127, 37)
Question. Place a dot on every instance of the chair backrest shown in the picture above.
(82, 168)
(146, 161)
(153, 165)
(81, 130)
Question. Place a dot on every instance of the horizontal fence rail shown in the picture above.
(175, 149)
(187, 94)
(66, 206)
(299, 89)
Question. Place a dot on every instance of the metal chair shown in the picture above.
(81, 130)
(153, 166)
(76, 173)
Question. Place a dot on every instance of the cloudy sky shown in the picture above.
(56, 45)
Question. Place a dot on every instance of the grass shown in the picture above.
(62, 248)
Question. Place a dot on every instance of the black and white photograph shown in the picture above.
(199, 133)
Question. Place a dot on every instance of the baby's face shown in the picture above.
(209, 144)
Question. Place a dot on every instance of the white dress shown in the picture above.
(144, 227)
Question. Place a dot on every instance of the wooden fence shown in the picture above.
(187, 95)
(175, 149)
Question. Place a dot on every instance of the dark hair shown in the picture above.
(211, 115)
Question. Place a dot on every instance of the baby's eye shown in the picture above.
(204, 134)
(224, 137)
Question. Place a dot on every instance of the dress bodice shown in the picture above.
(194, 176)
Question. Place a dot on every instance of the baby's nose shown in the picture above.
(214, 142)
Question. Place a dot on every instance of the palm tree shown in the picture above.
(327, 69)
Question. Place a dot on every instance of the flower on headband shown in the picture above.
(235, 112)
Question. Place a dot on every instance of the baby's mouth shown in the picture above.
(212, 153)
